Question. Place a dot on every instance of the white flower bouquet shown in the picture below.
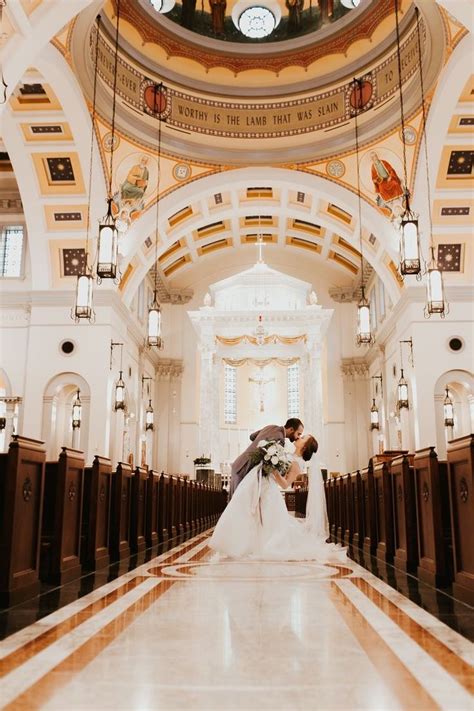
(273, 457)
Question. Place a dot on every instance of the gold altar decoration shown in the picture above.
(274, 338)
(261, 363)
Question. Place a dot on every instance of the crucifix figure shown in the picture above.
(261, 382)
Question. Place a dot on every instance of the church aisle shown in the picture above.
(188, 631)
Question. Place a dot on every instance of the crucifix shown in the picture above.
(261, 382)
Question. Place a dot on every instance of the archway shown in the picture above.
(58, 398)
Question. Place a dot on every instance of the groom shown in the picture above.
(293, 430)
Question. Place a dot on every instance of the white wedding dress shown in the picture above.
(256, 524)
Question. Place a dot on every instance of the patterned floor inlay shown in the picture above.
(188, 630)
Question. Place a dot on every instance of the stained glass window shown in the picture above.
(230, 395)
(294, 390)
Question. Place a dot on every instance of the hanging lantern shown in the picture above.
(83, 308)
(448, 410)
(119, 394)
(107, 246)
(402, 392)
(374, 416)
(410, 262)
(435, 300)
(154, 324)
(364, 334)
(77, 411)
(149, 417)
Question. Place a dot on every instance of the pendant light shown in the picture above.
(154, 310)
(77, 411)
(435, 299)
(448, 410)
(83, 305)
(374, 411)
(364, 334)
(374, 416)
(119, 395)
(107, 242)
(402, 390)
(402, 387)
(410, 262)
(149, 417)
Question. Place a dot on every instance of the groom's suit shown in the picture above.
(242, 465)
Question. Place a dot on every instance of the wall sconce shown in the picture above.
(448, 410)
(77, 411)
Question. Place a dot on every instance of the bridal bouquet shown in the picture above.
(272, 456)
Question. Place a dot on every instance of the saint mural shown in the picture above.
(380, 172)
(133, 178)
(388, 186)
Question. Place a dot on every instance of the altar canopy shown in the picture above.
(265, 318)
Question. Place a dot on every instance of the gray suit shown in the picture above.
(242, 465)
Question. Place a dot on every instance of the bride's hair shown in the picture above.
(310, 448)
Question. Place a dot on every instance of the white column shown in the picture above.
(360, 443)
(313, 400)
(209, 403)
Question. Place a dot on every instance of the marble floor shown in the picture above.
(187, 630)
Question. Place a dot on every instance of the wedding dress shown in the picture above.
(256, 524)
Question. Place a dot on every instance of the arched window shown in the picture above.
(11, 251)
(294, 390)
(230, 394)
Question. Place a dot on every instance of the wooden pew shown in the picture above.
(179, 506)
(357, 499)
(332, 508)
(348, 510)
(171, 512)
(62, 517)
(300, 504)
(152, 524)
(120, 512)
(96, 514)
(185, 489)
(404, 514)
(193, 506)
(341, 509)
(22, 472)
(138, 511)
(383, 507)
(433, 517)
(368, 503)
(461, 496)
(163, 532)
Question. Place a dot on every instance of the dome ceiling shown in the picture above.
(215, 112)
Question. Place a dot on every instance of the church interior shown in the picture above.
(215, 217)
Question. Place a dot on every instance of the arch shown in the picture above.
(33, 33)
(449, 88)
(57, 73)
(460, 384)
(239, 179)
(58, 397)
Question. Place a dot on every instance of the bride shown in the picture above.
(256, 524)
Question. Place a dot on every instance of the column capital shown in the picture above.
(169, 368)
(356, 368)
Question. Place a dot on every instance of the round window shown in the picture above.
(67, 347)
(455, 344)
